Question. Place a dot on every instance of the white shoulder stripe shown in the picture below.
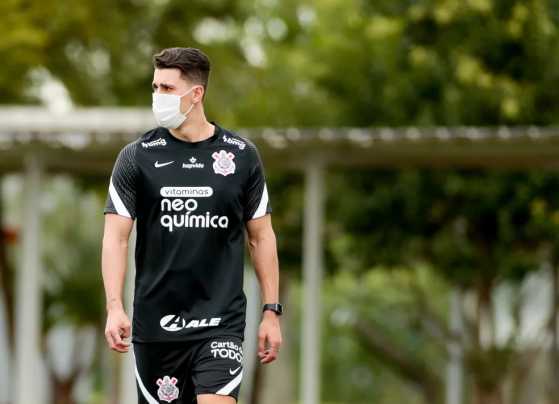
(145, 392)
(261, 211)
(119, 206)
(231, 385)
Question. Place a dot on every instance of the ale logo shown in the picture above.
(172, 323)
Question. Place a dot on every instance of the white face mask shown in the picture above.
(167, 109)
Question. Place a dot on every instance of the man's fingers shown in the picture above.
(263, 354)
(126, 329)
(112, 343)
(122, 343)
(116, 337)
(274, 342)
(115, 343)
(261, 342)
(274, 345)
(272, 356)
(110, 340)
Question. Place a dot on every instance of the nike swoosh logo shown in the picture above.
(157, 165)
(235, 371)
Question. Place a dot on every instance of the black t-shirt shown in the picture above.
(191, 201)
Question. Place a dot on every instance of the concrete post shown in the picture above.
(5, 359)
(312, 277)
(253, 319)
(454, 379)
(29, 290)
(128, 392)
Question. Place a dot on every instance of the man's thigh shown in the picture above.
(217, 370)
(163, 373)
(215, 399)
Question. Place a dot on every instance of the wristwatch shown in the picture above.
(275, 307)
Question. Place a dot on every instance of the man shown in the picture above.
(191, 185)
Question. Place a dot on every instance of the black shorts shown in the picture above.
(178, 371)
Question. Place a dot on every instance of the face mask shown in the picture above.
(167, 109)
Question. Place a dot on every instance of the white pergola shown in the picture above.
(86, 142)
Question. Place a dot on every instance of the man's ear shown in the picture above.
(198, 94)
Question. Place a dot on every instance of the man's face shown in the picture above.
(169, 81)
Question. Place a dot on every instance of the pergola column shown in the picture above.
(312, 278)
(253, 319)
(454, 372)
(128, 391)
(29, 290)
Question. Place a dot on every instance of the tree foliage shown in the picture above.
(337, 63)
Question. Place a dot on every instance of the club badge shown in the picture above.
(167, 389)
(224, 164)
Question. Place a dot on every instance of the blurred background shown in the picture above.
(410, 150)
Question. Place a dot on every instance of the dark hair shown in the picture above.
(195, 67)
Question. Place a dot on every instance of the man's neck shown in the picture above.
(194, 129)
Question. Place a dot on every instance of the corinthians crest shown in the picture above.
(167, 389)
(224, 163)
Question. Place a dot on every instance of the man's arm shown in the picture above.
(115, 251)
(120, 212)
(262, 244)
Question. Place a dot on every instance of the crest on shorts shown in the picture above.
(167, 389)
(224, 163)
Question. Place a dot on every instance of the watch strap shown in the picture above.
(275, 307)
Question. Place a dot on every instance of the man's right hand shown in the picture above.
(118, 328)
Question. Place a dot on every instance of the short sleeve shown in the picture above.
(256, 202)
(121, 198)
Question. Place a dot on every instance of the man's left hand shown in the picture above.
(269, 331)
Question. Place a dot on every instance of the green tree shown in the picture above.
(476, 230)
